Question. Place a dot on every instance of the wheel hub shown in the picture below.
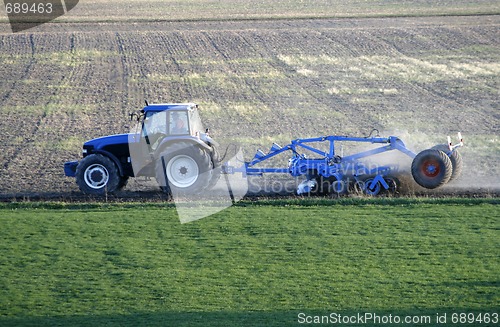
(182, 171)
(96, 176)
(430, 168)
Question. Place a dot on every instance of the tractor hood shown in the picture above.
(101, 142)
(115, 144)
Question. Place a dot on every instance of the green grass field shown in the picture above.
(254, 264)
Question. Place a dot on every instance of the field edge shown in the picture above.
(286, 202)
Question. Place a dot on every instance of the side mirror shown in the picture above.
(137, 115)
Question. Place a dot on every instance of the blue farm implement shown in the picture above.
(328, 172)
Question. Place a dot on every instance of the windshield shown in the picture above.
(155, 122)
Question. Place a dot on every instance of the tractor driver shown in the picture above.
(178, 124)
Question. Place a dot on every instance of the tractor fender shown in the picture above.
(171, 140)
(113, 158)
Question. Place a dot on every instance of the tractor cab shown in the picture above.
(158, 121)
(170, 120)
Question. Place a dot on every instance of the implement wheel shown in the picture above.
(371, 188)
(431, 168)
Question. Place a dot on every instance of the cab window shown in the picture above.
(154, 123)
(178, 123)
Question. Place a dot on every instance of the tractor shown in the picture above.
(169, 143)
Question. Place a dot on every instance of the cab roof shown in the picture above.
(169, 106)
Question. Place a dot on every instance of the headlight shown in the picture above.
(84, 151)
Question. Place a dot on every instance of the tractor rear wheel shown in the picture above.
(456, 160)
(431, 168)
(183, 168)
(97, 175)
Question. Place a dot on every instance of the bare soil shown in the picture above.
(257, 82)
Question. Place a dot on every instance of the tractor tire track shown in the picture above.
(17, 150)
(312, 98)
(25, 154)
(124, 70)
(26, 71)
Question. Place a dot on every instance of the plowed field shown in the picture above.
(257, 82)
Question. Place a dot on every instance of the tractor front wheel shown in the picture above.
(97, 175)
(431, 168)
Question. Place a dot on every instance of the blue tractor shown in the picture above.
(169, 144)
